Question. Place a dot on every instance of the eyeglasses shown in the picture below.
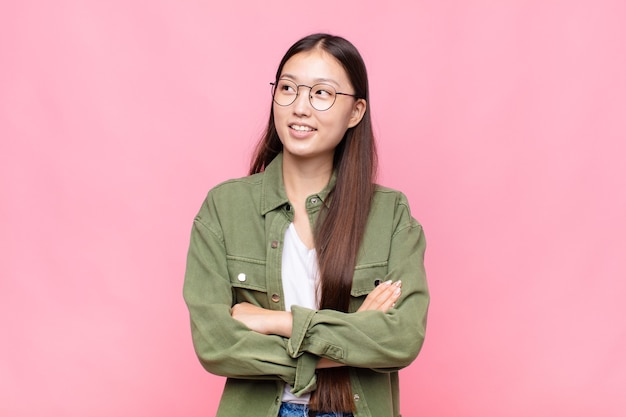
(321, 96)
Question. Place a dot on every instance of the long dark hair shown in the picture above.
(340, 227)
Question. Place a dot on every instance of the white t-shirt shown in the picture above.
(299, 276)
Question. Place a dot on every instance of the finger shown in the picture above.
(389, 297)
(387, 293)
(391, 300)
(382, 297)
(369, 300)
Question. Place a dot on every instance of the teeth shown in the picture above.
(301, 128)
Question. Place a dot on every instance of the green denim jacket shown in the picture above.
(235, 255)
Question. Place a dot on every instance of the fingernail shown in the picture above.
(398, 283)
(397, 291)
(388, 282)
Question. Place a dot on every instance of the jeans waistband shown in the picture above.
(302, 410)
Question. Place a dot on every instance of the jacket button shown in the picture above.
(314, 200)
(357, 397)
(274, 244)
(275, 298)
(241, 277)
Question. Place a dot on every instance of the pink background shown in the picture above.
(504, 123)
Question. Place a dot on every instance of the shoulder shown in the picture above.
(236, 185)
(391, 203)
(386, 195)
(235, 191)
(232, 197)
(386, 191)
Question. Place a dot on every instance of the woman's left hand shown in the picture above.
(262, 320)
(383, 297)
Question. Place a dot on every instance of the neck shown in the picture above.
(305, 177)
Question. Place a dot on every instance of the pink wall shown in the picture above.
(504, 122)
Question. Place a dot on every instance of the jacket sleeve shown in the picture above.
(371, 339)
(225, 346)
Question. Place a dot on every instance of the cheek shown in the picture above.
(339, 121)
(335, 132)
(278, 116)
(281, 112)
(279, 122)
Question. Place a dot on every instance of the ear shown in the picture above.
(358, 111)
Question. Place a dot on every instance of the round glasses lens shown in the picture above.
(285, 92)
(322, 96)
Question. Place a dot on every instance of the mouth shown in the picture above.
(301, 128)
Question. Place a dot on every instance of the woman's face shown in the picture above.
(307, 133)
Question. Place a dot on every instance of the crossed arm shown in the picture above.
(265, 321)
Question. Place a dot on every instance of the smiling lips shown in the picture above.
(302, 128)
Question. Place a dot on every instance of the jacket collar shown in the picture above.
(273, 194)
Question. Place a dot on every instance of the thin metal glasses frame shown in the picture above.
(295, 97)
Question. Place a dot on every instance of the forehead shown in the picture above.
(315, 66)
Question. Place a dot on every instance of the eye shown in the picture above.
(286, 87)
(323, 91)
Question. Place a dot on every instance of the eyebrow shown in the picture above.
(315, 81)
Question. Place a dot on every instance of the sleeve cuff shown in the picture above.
(301, 320)
(306, 379)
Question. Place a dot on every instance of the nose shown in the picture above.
(302, 104)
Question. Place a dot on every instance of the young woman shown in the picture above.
(305, 281)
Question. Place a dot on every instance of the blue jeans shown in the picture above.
(301, 410)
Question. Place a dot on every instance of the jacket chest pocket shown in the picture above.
(247, 279)
(365, 279)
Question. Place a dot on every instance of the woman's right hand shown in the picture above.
(383, 297)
